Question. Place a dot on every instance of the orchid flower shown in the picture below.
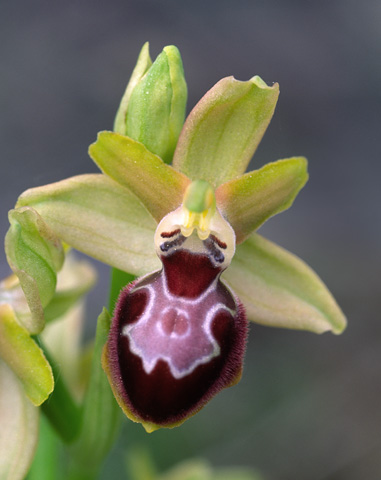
(188, 230)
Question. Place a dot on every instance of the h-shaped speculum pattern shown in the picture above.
(181, 326)
(178, 335)
(175, 329)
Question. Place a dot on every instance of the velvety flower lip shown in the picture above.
(157, 399)
(178, 335)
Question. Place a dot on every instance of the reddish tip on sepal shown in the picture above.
(171, 350)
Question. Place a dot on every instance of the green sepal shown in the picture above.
(24, 357)
(248, 201)
(100, 218)
(19, 427)
(101, 414)
(158, 186)
(35, 255)
(224, 129)
(280, 290)
(143, 64)
(156, 107)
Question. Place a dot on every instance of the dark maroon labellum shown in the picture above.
(177, 338)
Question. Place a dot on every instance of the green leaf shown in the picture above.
(75, 279)
(224, 129)
(280, 290)
(143, 64)
(19, 427)
(156, 108)
(35, 255)
(158, 186)
(251, 199)
(24, 357)
(95, 215)
(101, 413)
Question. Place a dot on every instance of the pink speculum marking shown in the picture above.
(175, 329)
(178, 335)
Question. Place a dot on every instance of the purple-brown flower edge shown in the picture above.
(178, 335)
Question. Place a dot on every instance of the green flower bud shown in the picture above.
(142, 66)
(152, 110)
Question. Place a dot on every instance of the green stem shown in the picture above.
(78, 471)
(60, 408)
(119, 279)
(46, 463)
(101, 415)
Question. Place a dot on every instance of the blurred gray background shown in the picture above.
(308, 407)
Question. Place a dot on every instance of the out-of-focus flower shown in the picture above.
(140, 466)
(26, 378)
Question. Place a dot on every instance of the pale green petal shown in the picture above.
(280, 290)
(35, 255)
(19, 427)
(97, 216)
(251, 199)
(24, 357)
(158, 186)
(224, 129)
(143, 64)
